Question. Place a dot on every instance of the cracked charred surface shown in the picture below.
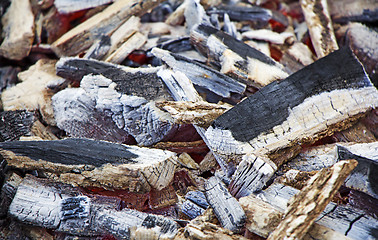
(312, 103)
(90, 163)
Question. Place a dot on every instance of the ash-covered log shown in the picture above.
(62, 208)
(90, 163)
(118, 107)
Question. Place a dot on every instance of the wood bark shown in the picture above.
(343, 219)
(19, 31)
(299, 115)
(320, 26)
(83, 36)
(304, 208)
(226, 208)
(91, 163)
(236, 58)
(200, 74)
(65, 209)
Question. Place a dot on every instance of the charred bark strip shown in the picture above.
(320, 26)
(316, 101)
(64, 209)
(304, 208)
(83, 36)
(343, 219)
(226, 208)
(8, 77)
(195, 204)
(200, 74)
(14, 124)
(236, 58)
(89, 163)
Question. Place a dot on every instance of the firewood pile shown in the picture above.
(188, 119)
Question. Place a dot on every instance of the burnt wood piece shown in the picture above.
(105, 22)
(343, 11)
(297, 57)
(251, 175)
(343, 219)
(236, 58)
(304, 208)
(182, 89)
(320, 26)
(14, 124)
(194, 14)
(200, 74)
(364, 177)
(242, 13)
(99, 48)
(35, 90)
(177, 45)
(204, 227)
(8, 77)
(8, 190)
(312, 103)
(195, 204)
(364, 41)
(70, 6)
(98, 108)
(18, 32)
(199, 113)
(90, 163)
(134, 42)
(64, 209)
(141, 82)
(263, 218)
(358, 133)
(226, 208)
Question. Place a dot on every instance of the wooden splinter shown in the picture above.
(305, 207)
